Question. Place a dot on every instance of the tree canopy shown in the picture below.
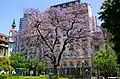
(17, 60)
(110, 17)
(5, 64)
(106, 61)
(32, 63)
(59, 26)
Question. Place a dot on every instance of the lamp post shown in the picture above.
(91, 64)
(75, 71)
(82, 68)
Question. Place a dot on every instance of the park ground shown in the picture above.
(31, 77)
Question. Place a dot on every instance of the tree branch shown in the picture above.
(55, 38)
(44, 38)
(63, 48)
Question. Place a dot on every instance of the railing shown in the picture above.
(77, 72)
(3, 40)
(3, 45)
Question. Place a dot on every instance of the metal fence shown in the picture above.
(71, 72)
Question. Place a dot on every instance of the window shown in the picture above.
(86, 63)
(25, 56)
(68, 46)
(64, 63)
(76, 2)
(64, 35)
(58, 50)
(31, 56)
(46, 64)
(78, 64)
(70, 4)
(64, 54)
(58, 46)
(51, 42)
(57, 42)
(58, 6)
(64, 5)
(71, 63)
(96, 48)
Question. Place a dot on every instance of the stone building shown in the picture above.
(24, 20)
(75, 58)
(3, 45)
(13, 44)
(70, 58)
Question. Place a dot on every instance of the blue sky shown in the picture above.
(11, 9)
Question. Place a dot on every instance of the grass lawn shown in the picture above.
(26, 77)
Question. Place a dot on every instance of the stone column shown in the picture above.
(3, 52)
(0, 51)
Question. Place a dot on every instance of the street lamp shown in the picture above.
(82, 68)
(75, 71)
(91, 69)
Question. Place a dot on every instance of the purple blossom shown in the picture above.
(54, 24)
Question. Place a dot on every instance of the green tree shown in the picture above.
(106, 61)
(110, 16)
(5, 64)
(17, 60)
(40, 66)
(35, 65)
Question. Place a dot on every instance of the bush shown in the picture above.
(3, 76)
(23, 77)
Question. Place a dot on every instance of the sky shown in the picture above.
(13, 9)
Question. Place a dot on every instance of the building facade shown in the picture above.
(75, 58)
(29, 51)
(13, 44)
(70, 58)
(3, 45)
(23, 20)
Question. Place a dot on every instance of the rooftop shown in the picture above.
(2, 34)
(66, 3)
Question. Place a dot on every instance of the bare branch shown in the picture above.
(44, 38)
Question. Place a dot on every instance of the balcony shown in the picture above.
(3, 41)
(3, 45)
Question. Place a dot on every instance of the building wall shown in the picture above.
(3, 45)
(23, 21)
(12, 41)
(22, 25)
(78, 56)
(71, 57)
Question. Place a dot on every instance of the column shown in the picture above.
(0, 51)
(3, 52)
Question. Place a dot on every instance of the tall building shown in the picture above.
(28, 51)
(13, 47)
(70, 58)
(22, 25)
(86, 8)
(3, 45)
(24, 20)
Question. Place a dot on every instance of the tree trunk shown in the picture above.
(39, 72)
(106, 75)
(55, 69)
(29, 72)
(35, 71)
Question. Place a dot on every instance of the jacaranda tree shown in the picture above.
(70, 25)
